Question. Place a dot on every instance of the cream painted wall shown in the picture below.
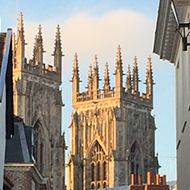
(182, 66)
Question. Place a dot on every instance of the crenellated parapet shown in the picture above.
(36, 65)
(128, 92)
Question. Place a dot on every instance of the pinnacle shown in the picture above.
(129, 68)
(135, 61)
(75, 60)
(95, 61)
(106, 71)
(20, 22)
(75, 67)
(40, 31)
(118, 53)
(58, 33)
(149, 63)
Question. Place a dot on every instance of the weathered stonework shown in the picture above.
(37, 99)
(112, 130)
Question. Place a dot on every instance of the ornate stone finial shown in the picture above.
(90, 71)
(39, 31)
(149, 80)
(128, 80)
(75, 79)
(20, 47)
(149, 63)
(119, 53)
(20, 22)
(90, 80)
(75, 68)
(119, 61)
(149, 75)
(95, 61)
(96, 68)
(119, 74)
(38, 50)
(106, 78)
(95, 76)
(58, 52)
(135, 76)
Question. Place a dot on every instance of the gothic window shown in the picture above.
(137, 172)
(92, 171)
(98, 171)
(36, 150)
(98, 167)
(104, 170)
(41, 156)
(132, 168)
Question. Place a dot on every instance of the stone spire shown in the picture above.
(118, 74)
(20, 48)
(75, 78)
(58, 52)
(135, 76)
(149, 80)
(128, 81)
(90, 80)
(106, 79)
(38, 49)
(95, 78)
(20, 30)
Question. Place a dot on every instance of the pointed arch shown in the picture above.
(134, 146)
(97, 164)
(92, 144)
(136, 159)
(41, 144)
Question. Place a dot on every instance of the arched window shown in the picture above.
(132, 168)
(104, 170)
(137, 172)
(98, 171)
(41, 156)
(104, 186)
(92, 171)
(98, 167)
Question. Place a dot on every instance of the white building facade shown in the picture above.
(172, 43)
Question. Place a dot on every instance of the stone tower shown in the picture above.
(112, 129)
(37, 99)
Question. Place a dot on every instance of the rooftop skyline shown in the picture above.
(97, 28)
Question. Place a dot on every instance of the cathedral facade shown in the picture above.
(112, 129)
(37, 99)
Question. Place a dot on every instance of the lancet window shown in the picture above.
(98, 167)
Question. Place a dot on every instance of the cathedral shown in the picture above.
(112, 129)
(37, 99)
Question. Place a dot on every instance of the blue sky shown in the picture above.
(98, 27)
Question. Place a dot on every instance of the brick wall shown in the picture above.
(20, 179)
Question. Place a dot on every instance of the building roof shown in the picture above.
(18, 148)
(167, 35)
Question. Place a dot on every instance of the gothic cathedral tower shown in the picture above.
(112, 129)
(37, 99)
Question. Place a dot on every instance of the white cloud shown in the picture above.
(88, 36)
